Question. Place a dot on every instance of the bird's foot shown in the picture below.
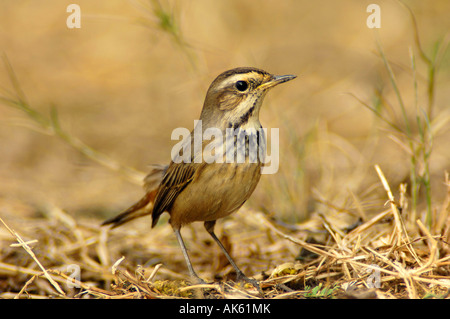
(196, 280)
(241, 277)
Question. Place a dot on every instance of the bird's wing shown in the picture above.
(177, 177)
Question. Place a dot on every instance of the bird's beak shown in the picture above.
(277, 79)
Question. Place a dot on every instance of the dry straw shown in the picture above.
(399, 263)
(395, 251)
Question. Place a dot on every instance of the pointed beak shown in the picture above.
(277, 79)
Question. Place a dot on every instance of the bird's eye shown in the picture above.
(241, 85)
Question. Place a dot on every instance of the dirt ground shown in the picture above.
(358, 208)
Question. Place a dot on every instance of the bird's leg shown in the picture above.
(194, 276)
(209, 225)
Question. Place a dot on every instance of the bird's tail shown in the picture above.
(140, 209)
(145, 205)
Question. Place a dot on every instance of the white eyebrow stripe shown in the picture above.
(234, 78)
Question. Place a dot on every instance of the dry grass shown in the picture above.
(360, 207)
(384, 257)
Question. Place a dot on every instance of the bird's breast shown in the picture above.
(219, 190)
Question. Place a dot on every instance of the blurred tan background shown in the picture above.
(123, 81)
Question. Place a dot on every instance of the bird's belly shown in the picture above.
(220, 189)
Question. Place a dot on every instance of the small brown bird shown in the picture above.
(193, 189)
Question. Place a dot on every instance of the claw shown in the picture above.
(241, 277)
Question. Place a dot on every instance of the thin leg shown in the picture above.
(186, 257)
(209, 225)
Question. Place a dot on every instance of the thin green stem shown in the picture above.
(53, 127)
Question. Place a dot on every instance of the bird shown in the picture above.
(193, 189)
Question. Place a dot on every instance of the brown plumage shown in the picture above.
(205, 191)
(145, 205)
